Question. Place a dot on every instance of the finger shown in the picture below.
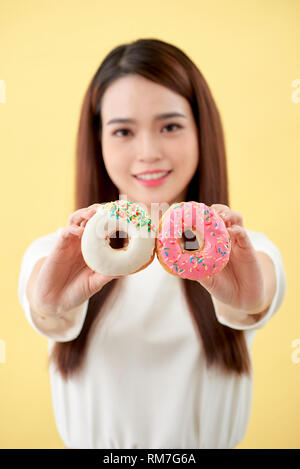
(85, 220)
(233, 218)
(70, 231)
(230, 217)
(97, 281)
(221, 210)
(239, 237)
(81, 215)
(220, 207)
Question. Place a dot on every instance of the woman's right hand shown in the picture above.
(64, 280)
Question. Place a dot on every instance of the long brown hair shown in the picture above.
(169, 66)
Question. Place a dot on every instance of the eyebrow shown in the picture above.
(159, 117)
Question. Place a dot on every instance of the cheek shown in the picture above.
(185, 156)
(117, 167)
(192, 153)
(109, 149)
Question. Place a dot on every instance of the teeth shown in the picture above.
(148, 177)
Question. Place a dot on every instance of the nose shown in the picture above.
(148, 149)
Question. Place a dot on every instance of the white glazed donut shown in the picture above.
(111, 217)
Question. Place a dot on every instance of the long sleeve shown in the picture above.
(39, 248)
(244, 321)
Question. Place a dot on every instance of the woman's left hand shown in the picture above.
(240, 284)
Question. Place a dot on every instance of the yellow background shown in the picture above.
(249, 53)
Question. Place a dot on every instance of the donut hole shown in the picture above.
(118, 240)
(189, 241)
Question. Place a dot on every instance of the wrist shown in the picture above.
(260, 309)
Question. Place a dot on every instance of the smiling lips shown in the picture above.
(152, 178)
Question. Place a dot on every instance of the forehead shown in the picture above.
(138, 95)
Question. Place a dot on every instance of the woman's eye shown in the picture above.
(171, 125)
(127, 130)
(120, 130)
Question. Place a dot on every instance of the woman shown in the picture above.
(150, 360)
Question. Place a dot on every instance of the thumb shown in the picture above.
(97, 281)
(208, 283)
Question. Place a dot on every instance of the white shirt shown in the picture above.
(144, 383)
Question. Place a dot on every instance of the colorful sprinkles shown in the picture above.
(131, 212)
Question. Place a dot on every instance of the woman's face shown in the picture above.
(148, 143)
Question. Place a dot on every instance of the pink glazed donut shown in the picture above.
(211, 234)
